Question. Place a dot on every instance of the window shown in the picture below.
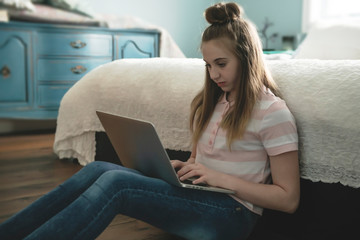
(329, 10)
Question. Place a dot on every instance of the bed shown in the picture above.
(321, 88)
(162, 91)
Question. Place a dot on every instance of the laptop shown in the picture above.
(138, 146)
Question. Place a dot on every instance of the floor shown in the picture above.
(29, 169)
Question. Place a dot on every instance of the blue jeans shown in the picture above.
(84, 205)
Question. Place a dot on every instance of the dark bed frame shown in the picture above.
(326, 211)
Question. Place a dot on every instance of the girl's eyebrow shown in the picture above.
(217, 59)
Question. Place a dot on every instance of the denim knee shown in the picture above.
(117, 178)
(100, 165)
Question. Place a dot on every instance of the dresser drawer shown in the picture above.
(51, 95)
(66, 69)
(136, 46)
(74, 44)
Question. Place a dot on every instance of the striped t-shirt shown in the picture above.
(271, 131)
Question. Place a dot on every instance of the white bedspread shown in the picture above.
(323, 96)
(158, 90)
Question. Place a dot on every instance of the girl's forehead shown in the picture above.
(217, 48)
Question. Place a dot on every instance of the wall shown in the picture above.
(185, 22)
(285, 14)
(183, 19)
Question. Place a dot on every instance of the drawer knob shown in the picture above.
(78, 69)
(5, 72)
(77, 44)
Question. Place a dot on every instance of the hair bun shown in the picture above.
(223, 13)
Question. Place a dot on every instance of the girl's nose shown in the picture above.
(214, 74)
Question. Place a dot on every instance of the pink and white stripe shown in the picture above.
(270, 132)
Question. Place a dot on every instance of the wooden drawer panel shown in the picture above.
(136, 46)
(66, 69)
(51, 95)
(74, 44)
(13, 70)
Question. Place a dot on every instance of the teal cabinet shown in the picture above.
(15, 84)
(62, 69)
(39, 63)
(49, 95)
(51, 42)
(135, 45)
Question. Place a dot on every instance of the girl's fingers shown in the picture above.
(188, 172)
(177, 163)
(185, 169)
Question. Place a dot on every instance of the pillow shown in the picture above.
(78, 6)
(332, 42)
(18, 4)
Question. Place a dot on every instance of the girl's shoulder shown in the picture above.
(272, 107)
(271, 115)
(268, 100)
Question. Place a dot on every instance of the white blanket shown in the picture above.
(158, 90)
(323, 96)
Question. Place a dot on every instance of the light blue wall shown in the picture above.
(285, 14)
(184, 19)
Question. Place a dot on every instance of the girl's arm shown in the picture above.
(193, 154)
(283, 194)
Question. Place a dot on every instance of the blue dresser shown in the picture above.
(40, 62)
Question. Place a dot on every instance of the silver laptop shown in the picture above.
(138, 147)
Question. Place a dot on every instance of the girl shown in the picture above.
(244, 139)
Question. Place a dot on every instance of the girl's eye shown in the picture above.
(207, 66)
(222, 64)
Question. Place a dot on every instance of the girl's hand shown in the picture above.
(177, 164)
(200, 172)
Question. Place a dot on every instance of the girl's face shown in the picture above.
(222, 64)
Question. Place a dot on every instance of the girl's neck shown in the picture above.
(229, 96)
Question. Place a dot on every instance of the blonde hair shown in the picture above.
(227, 23)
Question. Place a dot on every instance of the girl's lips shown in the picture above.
(221, 84)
